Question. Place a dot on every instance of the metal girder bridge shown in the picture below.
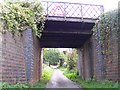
(68, 25)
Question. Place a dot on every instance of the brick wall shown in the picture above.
(118, 35)
(96, 64)
(28, 52)
(13, 66)
(86, 61)
(111, 57)
(98, 60)
(37, 60)
(20, 57)
(32, 54)
(1, 57)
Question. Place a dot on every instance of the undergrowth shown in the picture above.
(89, 84)
(46, 75)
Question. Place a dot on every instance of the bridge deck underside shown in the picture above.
(61, 34)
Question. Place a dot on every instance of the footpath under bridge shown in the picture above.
(68, 25)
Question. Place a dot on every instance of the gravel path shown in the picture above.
(58, 80)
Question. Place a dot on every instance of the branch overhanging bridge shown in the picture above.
(68, 25)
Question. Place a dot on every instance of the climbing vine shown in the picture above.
(20, 14)
(107, 24)
(105, 32)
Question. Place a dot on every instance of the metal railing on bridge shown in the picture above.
(73, 10)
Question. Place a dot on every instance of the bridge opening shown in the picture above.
(78, 59)
(57, 56)
(69, 25)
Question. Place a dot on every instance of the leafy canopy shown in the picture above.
(52, 56)
(72, 59)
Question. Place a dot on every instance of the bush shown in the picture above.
(46, 75)
(20, 86)
(72, 59)
(72, 75)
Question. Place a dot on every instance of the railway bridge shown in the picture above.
(67, 25)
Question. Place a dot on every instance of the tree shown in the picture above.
(72, 59)
(51, 56)
(63, 58)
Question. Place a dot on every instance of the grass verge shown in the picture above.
(46, 75)
(89, 84)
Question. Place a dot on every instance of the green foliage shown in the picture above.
(47, 72)
(72, 59)
(105, 30)
(46, 75)
(63, 69)
(107, 24)
(89, 84)
(20, 15)
(52, 56)
(63, 58)
(20, 86)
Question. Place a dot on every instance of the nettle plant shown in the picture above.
(20, 14)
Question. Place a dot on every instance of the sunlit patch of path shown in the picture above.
(58, 80)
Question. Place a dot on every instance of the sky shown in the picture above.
(108, 4)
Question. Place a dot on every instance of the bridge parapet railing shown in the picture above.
(74, 10)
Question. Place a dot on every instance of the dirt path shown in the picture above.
(58, 80)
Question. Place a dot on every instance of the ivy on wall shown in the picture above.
(20, 14)
(105, 31)
(108, 23)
